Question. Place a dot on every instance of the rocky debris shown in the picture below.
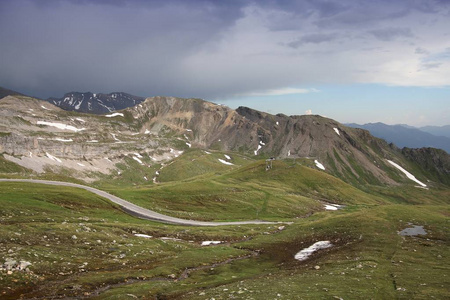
(10, 265)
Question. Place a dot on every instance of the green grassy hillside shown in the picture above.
(80, 245)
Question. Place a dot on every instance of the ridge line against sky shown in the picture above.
(351, 60)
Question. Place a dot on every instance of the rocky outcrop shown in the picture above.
(435, 162)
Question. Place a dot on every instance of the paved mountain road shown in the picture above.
(137, 210)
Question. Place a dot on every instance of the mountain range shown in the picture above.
(36, 131)
(96, 103)
(408, 136)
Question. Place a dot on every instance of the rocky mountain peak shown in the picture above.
(95, 103)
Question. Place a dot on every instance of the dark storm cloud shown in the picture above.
(200, 48)
(53, 47)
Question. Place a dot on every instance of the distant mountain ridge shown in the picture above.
(7, 92)
(405, 136)
(437, 130)
(96, 103)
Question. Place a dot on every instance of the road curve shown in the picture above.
(135, 210)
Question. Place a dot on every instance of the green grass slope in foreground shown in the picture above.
(82, 246)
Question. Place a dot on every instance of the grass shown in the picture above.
(249, 192)
(107, 261)
(38, 224)
(8, 167)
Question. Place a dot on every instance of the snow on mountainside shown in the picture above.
(95, 103)
(160, 129)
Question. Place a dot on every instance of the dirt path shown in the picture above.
(137, 210)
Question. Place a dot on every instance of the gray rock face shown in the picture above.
(36, 134)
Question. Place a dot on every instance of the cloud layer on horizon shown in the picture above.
(217, 49)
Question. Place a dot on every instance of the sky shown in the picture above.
(355, 61)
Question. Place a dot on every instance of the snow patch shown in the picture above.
(138, 155)
(169, 239)
(207, 243)
(278, 123)
(44, 107)
(92, 141)
(114, 137)
(114, 115)
(53, 157)
(189, 130)
(227, 157)
(188, 144)
(60, 126)
(225, 162)
(319, 165)
(143, 235)
(207, 152)
(305, 253)
(289, 153)
(332, 206)
(337, 131)
(81, 120)
(256, 151)
(77, 107)
(63, 140)
(138, 160)
(147, 131)
(81, 165)
(409, 175)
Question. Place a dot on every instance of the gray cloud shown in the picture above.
(420, 50)
(207, 48)
(388, 34)
(315, 38)
(427, 66)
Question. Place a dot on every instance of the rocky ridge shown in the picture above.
(38, 135)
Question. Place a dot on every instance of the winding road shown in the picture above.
(138, 211)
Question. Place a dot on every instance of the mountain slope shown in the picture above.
(95, 103)
(406, 136)
(7, 92)
(349, 153)
(137, 140)
(437, 130)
